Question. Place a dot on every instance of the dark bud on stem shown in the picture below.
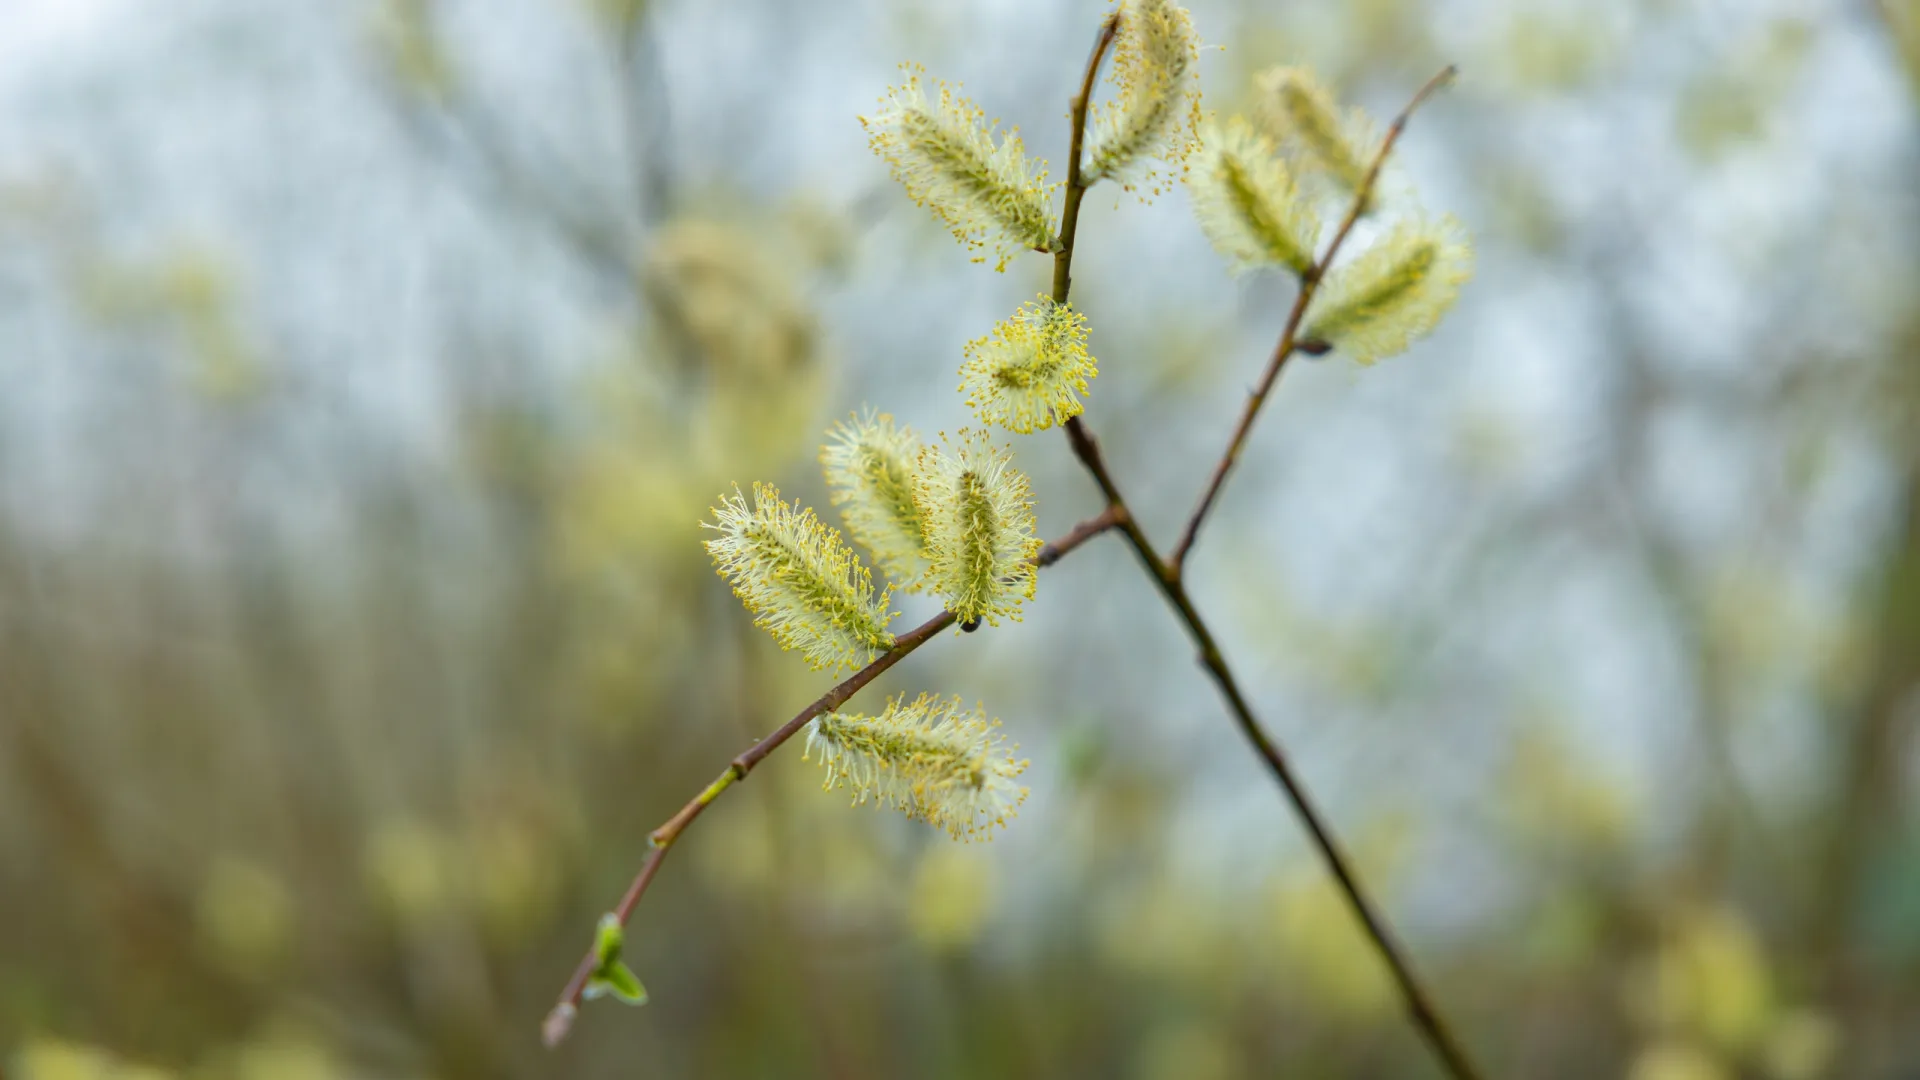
(970, 625)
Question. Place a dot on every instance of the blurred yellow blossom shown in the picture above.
(245, 913)
(951, 896)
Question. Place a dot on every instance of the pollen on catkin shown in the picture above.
(1394, 292)
(869, 466)
(1029, 372)
(933, 758)
(1247, 202)
(799, 578)
(977, 510)
(1155, 114)
(944, 154)
(1299, 112)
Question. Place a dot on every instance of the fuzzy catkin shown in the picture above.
(943, 152)
(933, 759)
(1247, 202)
(1156, 111)
(869, 467)
(1395, 292)
(977, 510)
(1029, 372)
(799, 578)
(1299, 112)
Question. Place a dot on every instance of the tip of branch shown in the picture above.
(1440, 81)
(553, 1031)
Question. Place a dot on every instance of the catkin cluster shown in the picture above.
(954, 519)
(1258, 189)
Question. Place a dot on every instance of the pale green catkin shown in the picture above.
(1155, 113)
(1394, 293)
(869, 467)
(977, 510)
(800, 580)
(944, 154)
(933, 759)
(1299, 112)
(1247, 202)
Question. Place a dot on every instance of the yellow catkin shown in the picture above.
(934, 759)
(1029, 373)
(1155, 113)
(943, 152)
(869, 467)
(1395, 292)
(800, 579)
(1247, 202)
(977, 510)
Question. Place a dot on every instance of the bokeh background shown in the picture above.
(365, 367)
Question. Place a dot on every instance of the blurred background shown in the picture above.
(366, 366)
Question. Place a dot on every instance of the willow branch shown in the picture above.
(1419, 1002)
(1290, 342)
(1166, 577)
(560, 1020)
(1445, 1045)
(1077, 182)
(1078, 434)
(646, 124)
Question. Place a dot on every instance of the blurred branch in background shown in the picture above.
(1903, 26)
(439, 106)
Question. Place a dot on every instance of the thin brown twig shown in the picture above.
(1166, 576)
(1077, 432)
(1076, 182)
(1290, 342)
(1419, 1002)
(560, 1020)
